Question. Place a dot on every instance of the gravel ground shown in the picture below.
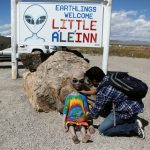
(22, 128)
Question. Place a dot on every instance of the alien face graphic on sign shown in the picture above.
(35, 18)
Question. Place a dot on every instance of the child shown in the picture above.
(75, 108)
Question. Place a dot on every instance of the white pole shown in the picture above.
(14, 62)
(106, 33)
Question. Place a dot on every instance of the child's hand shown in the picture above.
(66, 128)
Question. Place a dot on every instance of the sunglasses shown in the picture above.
(75, 81)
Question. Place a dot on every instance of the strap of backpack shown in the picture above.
(114, 113)
(116, 80)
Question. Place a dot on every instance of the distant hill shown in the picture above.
(132, 42)
(5, 42)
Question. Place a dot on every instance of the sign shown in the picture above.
(60, 24)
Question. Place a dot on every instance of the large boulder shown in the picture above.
(32, 60)
(47, 88)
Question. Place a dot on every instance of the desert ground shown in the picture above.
(22, 128)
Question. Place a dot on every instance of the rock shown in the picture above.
(77, 53)
(47, 88)
(32, 60)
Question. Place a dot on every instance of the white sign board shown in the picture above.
(60, 24)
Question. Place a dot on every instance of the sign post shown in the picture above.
(106, 34)
(14, 62)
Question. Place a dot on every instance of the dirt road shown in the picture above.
(22, 128)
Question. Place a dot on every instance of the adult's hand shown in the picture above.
(81, 118)
(84, 118)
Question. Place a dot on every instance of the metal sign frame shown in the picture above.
(105, 36)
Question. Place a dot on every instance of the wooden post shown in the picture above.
(14, 62)
(106, 34)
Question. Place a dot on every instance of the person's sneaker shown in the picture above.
(140, 129)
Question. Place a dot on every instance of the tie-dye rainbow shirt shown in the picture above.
(75, 106)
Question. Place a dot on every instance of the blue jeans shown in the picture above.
(123, 127)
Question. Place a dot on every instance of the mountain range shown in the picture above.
(131, 42)
(5, 42)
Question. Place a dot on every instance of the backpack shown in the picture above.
(129, 85)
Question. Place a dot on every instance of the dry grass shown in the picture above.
(115, 50)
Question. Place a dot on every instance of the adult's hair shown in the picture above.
(95, 73)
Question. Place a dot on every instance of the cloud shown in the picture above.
(129, 25)
(5, 29)
(125, 25)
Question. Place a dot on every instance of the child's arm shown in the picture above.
(64, 119)
(90, 92)
(64, 122)
(65, 112)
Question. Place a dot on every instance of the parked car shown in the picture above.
(30, 49)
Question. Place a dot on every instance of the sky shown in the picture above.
(130, 19)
